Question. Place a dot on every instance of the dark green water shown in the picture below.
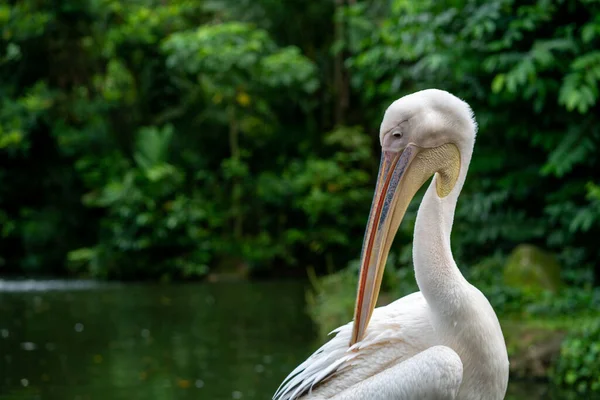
(212, 341)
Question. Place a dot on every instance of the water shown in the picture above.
(82, 341)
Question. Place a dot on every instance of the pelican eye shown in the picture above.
(397, 134)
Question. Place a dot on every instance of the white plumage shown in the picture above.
(396, 332)
(444, 342)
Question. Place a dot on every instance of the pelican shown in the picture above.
(445, 341)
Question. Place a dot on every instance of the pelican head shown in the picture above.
(426, 133)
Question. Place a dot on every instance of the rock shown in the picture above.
(529, 267)
(532, 348)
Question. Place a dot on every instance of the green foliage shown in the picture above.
(579, 361)
(20, 115)
(530, 72)
(154, 139)
(151, 224)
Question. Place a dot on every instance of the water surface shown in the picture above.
(84, 341)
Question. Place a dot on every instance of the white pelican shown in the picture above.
(444, 342)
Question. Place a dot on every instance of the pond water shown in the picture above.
(83, 341)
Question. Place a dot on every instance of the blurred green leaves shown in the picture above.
(578, 362)
(580, 88)
(19, 115)
(238, 62)
(530, 73)
(170, 139)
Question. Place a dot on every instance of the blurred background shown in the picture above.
(184, 185)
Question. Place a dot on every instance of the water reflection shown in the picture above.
(218, 341)
(186, 341)
(32, 285)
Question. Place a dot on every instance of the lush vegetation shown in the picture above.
(173, 138)
(579, 363)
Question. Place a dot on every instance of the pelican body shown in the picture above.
(445, 341)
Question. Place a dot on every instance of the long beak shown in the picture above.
(393, 193)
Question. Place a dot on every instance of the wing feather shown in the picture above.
(324, 362)
(395, 332)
